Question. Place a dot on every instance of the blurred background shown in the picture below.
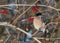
(12, 9)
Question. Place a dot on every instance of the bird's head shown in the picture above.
(38, 15)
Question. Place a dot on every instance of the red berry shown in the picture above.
(35, 9)
(4, 12)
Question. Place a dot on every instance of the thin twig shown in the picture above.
(47, 38)
(37, 40)
(8, 36)
(35, 33)
(30, 6)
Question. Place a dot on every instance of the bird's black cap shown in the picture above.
(38, 14)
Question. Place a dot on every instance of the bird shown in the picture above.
(37, 22)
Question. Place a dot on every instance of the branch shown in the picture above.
(47, 38)
(30, 6)
(51, 23)
(36, 40)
